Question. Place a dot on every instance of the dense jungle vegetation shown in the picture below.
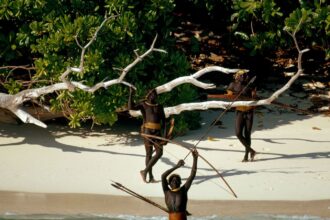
(40, 36)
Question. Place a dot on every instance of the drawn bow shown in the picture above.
(189, 147)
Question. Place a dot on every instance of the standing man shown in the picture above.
(244, 114)
(153, 124)
(176, 197)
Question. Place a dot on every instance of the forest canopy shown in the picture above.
(40, 37)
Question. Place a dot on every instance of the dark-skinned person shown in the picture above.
(243, 114)
(176, 196)
(154, 123)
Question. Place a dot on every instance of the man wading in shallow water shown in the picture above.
(153, 124)
(244, 114)
(176, 197)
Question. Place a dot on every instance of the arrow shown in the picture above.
(190, 147)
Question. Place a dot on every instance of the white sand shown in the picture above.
(293, 163)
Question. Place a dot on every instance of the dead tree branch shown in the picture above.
(225, 104)
(25, 67)
(193, 79)
(13, 102)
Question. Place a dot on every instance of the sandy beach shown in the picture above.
(69, 171)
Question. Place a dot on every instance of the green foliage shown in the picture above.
(42, 33)
(172, 67)
(13, 86)
(315, 23)
(257, 23)
(260, 26)
(187, 120)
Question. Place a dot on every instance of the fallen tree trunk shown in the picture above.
(174, 110)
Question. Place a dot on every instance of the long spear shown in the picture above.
(190, 147)
(221, 115)
(136, 195)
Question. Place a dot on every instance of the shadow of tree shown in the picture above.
(35, 135)
(314, 155)
(128, 135)
(223, 133)
(199, 179)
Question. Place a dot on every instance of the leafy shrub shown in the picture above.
(42, 33)
(258, 25)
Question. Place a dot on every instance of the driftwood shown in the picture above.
(192, 79)
(174, 110)
(14, 103)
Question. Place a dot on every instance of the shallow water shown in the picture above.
(129, 217)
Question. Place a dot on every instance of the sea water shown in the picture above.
(10, 216)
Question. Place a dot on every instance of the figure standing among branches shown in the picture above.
(176, 197)
(154, 123)
(244, 114)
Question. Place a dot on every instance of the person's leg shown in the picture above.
(248, 131)
(158, 154)
(151, 176)
(148, 148)
(239, 127)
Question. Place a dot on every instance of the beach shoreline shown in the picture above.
(23, 203)
(59, 170)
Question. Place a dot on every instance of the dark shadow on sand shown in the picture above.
(35, 135)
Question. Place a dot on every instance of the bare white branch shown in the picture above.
(27, 118)
(192, 79)
(223, 104)
(13, 102)
(139, 58)
(25, 67)
(82, 55)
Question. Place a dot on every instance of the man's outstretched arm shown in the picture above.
(131, 105)
(193, 170)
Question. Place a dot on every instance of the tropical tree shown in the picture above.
(78, 49)
(258, 25)
(39, 42)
